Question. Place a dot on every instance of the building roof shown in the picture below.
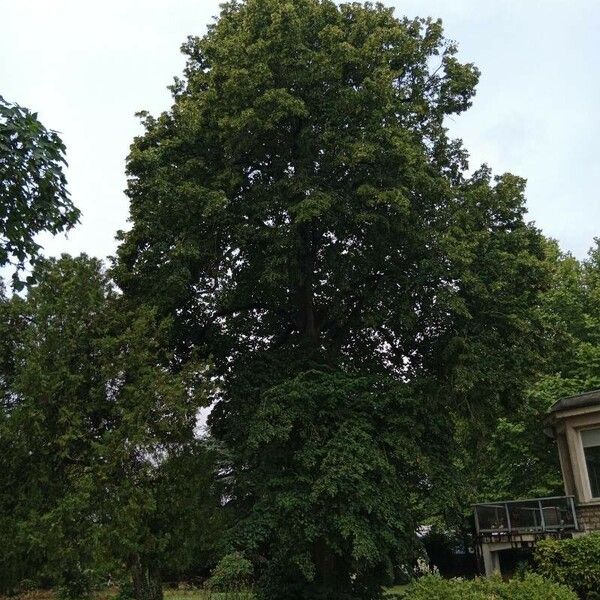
(579, 401)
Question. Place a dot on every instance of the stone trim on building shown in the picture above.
(588, 517)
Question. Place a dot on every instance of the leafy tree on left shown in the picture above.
(94, 424)
(33, 190)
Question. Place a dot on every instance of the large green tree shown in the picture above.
(33, 190)
(301, 216)
(519, 460)
(50, 409)
(95, 433)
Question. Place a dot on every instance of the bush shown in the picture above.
(531, 587)
(574, 562)
(233, 572)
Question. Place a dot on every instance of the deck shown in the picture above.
(536, 516)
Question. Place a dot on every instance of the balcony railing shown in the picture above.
(537, 515)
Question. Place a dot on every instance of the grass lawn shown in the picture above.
(201, 595)
(170, 594)
(396, 589)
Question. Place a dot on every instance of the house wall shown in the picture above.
(568, 427)
(566, 464)
(588, 517)
(568, 436)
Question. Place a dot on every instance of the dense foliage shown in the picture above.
(320, 239)
(340, 456)
(531, 587)
(233, 573)
(574, 562)
(518, 461)
(33, 192)
(89, 414)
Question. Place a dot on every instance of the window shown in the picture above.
(590, 439)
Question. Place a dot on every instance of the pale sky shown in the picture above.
(87, 66)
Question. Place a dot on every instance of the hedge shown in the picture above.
(532, 587)
(574, 562)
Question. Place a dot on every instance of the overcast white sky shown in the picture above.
(88, 66)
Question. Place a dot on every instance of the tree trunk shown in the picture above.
(146, 581)
(329, 576)
(307, 322)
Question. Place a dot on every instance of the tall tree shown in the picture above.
(33, 190)
(303, 217)
(571, 313)
(518, 459)
(90, 415)
(51, 406)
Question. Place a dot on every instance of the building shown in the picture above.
(508, 529)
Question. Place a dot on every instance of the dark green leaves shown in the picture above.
(337, 463)
(302, 217)
(93, 421)
(33, 192)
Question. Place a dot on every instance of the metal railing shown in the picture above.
(537, 515)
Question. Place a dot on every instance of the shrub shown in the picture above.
(574, 562)
(531, 587)
(233, 572)
(126, 591)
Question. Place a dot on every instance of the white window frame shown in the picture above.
(586, 480)
(574, 424)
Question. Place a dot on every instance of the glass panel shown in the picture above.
(590, 437)
(558, 513)
(592, 460)
(492, 516)
(525, 515)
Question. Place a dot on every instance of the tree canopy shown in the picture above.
(94, 432)
(302, 216)
(33, 189)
